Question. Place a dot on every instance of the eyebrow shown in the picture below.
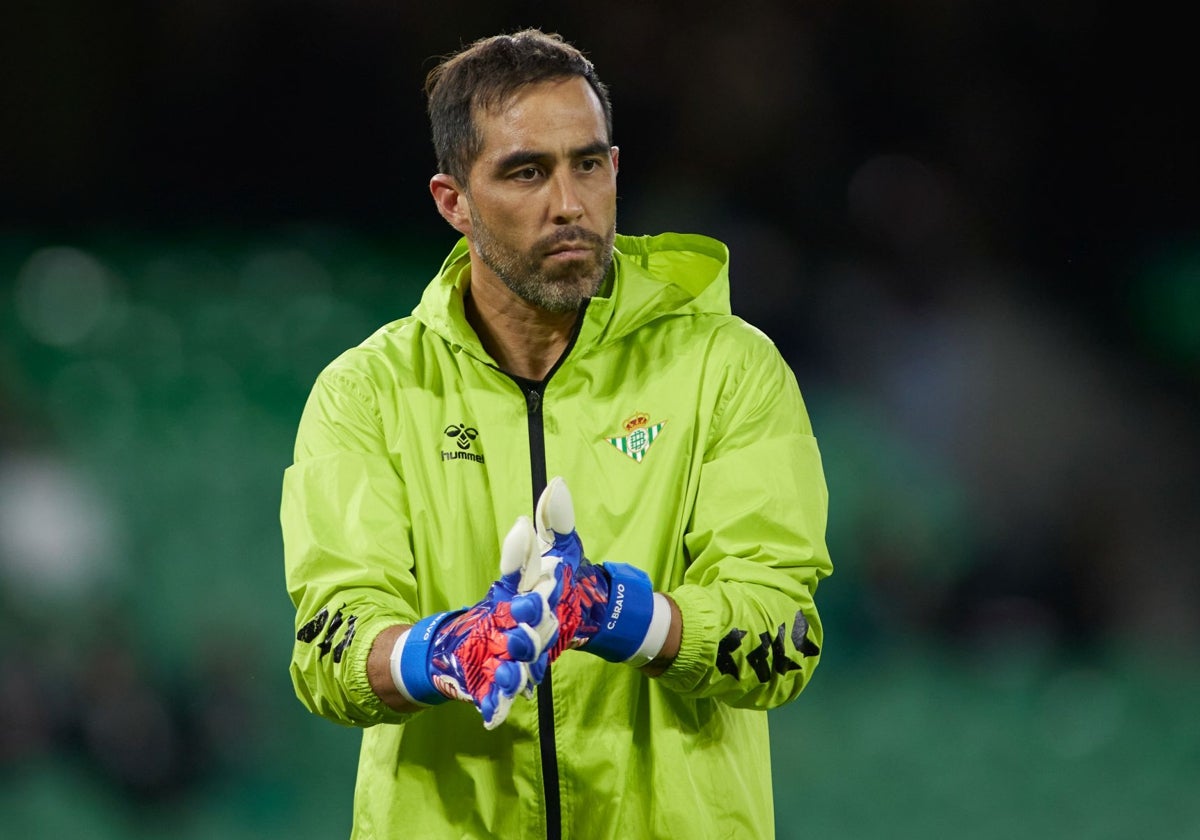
(524, 156)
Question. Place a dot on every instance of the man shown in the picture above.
(548, 345)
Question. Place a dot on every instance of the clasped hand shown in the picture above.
(549, 598)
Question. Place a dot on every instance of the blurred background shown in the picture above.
(972, 228)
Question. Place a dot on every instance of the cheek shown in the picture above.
(519, 229)
(605, 198)
(509, 222)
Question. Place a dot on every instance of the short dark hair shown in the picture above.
(484, 75)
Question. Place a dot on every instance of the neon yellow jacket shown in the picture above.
(683, 437)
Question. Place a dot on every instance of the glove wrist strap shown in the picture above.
(410, 662)
(629, 617)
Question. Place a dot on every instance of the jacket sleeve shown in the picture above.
(347, 549)
(755, 544)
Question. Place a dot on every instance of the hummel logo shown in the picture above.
(463, 436)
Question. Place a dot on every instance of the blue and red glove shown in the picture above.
(488, 653)
(608, 609)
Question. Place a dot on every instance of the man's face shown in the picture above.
(542, 194)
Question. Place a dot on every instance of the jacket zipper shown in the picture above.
(545, 695)
(535, 393)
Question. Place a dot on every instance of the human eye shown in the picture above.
(526, 173)
(590, 164)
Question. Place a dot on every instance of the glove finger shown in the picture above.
(518, 546)
(537, 668)
(555, 512)
(546, 627)
(523, 644)
(537, 573)
(511, 678)
(488, 707)
(494, 710)
(528, 608)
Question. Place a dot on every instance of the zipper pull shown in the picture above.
(534, 400)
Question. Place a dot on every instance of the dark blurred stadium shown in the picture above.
(972, 228)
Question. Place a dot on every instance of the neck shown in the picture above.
(524, 340)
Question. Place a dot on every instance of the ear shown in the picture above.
(452, 202)
(614, 153)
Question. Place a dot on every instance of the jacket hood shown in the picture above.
(652, 277)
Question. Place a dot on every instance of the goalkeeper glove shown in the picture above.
(489, 653)
(608, 609)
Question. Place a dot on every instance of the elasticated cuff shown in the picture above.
(698, 643)
(356, 679)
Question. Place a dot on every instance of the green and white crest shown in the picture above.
(640, 433)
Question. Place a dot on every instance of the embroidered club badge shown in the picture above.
(639, 434)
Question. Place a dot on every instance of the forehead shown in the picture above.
(549, 115)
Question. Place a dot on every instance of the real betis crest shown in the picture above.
(639, 434)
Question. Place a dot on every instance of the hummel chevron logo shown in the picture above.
(463, 436)
(639, 434)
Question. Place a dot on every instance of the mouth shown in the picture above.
(569, 251)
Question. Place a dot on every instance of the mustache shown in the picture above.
(569, 234)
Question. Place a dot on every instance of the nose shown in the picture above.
(566, 205)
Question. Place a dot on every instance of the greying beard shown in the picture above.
(559, 290)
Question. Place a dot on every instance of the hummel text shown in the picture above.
(461, 456)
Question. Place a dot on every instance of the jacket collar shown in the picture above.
(652, 276)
